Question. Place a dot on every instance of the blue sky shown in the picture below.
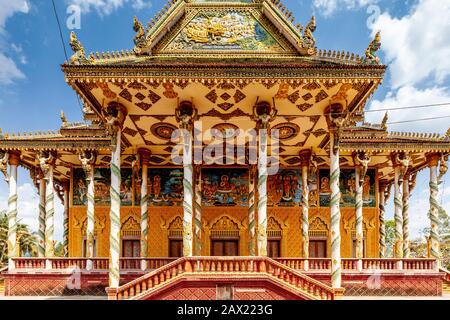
(415, 45)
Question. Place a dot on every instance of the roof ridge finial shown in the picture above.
(373, 47)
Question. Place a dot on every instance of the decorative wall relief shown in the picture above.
(102, 182)
(126, 187)
(224, 187)
(79, 194)
(284, 188)
(347, 185)
(218, 30)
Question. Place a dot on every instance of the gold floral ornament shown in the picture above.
(371, 50)
(4, 156)
(79, 57)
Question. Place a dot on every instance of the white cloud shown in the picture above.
(328, 7)
(106, 7)
(28, 206)
(411, 96)
(9, 8)
(9, 72)
(417, 46)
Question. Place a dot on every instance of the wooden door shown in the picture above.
(273, 248)
(131, 248)
(225, 248)
(175, 248)
(317, 248)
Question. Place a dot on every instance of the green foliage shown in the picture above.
(27, 239)
(390, 237)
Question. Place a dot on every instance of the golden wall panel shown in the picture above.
(160, 218)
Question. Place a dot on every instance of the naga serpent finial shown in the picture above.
(371, 50)
(79, 55)
(140, 39)
(309, 41)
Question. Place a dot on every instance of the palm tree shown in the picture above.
(26, 239)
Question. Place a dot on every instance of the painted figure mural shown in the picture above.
(165, 186)
(284, 188)
(225, 187)
(220, 30)
(347, 185)
(102, 178)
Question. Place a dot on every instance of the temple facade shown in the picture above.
(225, 138)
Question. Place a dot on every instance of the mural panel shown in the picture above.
(347, 187)
(284, 188)
(165, 186)
(102, 182)
(219, 30)
(224, 187)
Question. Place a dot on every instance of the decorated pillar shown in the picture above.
(305, 157)
(263, 113)
(251, 212)
(336, 119)
(14, 159)
(435, 180)
(116, 114)
(401, 163)
(408, 184)
(87, 159)
(361, 160)
(198, 211)
(47, 163)
(186, 114)
(66, 190)
(144, 155)
(384, 193)
(41, 230)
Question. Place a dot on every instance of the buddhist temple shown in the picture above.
(224, 146)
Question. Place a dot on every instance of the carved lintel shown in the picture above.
(443, 168)
(87, 159)
(4, 157)
(46, 161)
(60, 188)
(263, 114)
(186, 114)
(362, 160)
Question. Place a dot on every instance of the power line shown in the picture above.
(64, 46)
(417, 120)
(411, 107)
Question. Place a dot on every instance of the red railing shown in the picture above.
(82, 263)
(351, 264)
(213, 265)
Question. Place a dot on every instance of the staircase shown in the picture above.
(231, 269)
(446, 282)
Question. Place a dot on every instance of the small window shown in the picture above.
(131, 248)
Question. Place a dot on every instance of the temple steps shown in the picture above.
(207, 272)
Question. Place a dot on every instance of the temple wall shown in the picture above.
(161, 218)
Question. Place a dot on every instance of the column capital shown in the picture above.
(305, 157)
(433, 158)
(87, 159)
(14, 157)
(46, 160)
(144, 155)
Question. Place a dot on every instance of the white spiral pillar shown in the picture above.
(398, 213)
(433, 161)
(188, 174)
(90, 226)
(14, 159)
(49, 213)
(335, 214)
(41, 230)
(144, 155)
(262, 193)
(305, 159)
